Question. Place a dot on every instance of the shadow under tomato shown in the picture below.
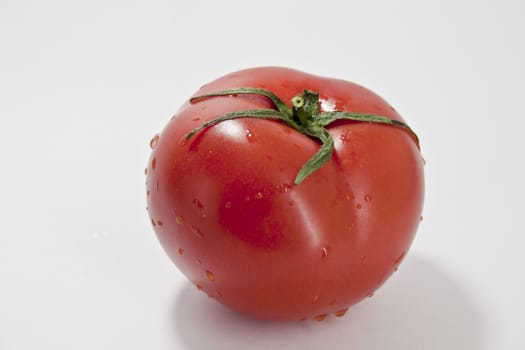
(420, 307)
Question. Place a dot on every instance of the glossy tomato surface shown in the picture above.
(227, 212)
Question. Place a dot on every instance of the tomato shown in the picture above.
(229, 206)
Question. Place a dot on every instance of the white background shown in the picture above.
(84, 85)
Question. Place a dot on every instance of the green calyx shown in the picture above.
(304, 116)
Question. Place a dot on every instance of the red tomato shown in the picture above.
(225, 206)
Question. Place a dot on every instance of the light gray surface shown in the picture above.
(84, 86)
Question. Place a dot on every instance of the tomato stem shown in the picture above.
(305, 107)
(304, 116)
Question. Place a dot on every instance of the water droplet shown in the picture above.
(258, 195)
(199, 287)
(197, 203)
(160, 223)
(179, 220)
(371, 294)
(362, 258)
(315, 299)
(154, 141)
(359, 206)
(320, 318)
(228, 205)
(210, 276)
(145, 171)
(368, 198)
(196, 119)
(153, 163)
(284, 188)
(420, 218)
(147, 193)
(341, 312)
(331, 303)
(180, 251)
(249, 136)
(153, 222)
(351, 227)
(400, 258)
(424, 161)
(324, 253)
(345, 138)
(197, 232)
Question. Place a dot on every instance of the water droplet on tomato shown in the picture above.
(196, 119)
(315, 299)
(249, 136)
(147, 193)
(359, 206)
(284, 188)
(145, 171)
(345, 138)
(400, 258)
(160, 223)
(197, 232)
(210, 276)
(180, 251)
(179, 220)
(320, 318)
(424, 161)
(258, 195)
(154, 141)
(324, 253)
(420, 218)
(371, 294)
(197, 203)
(331, 303)
(153, 222)
(228, 205)
(153, 163)
(199, 287)
(368, 198)
(341, 312)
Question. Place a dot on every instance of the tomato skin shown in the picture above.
(225, 208)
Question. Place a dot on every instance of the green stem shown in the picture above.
(304, 116)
